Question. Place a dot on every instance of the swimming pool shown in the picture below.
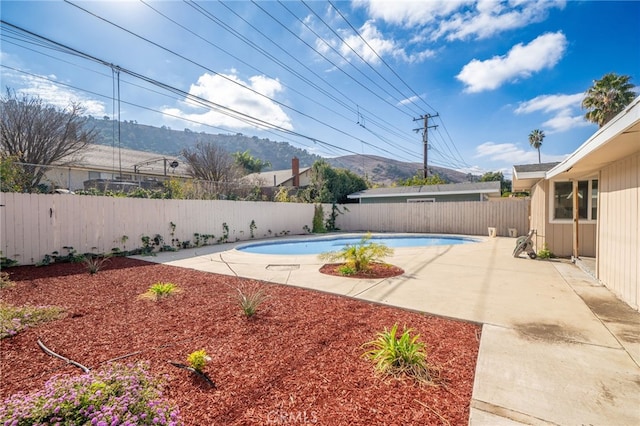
(319, 245)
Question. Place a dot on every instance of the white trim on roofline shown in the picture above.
(412, 194)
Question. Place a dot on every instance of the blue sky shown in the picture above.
(338, 77)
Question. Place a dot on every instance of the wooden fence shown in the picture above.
(33, 225)
(467, 217)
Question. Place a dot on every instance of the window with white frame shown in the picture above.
(587, 200)
(421, 200)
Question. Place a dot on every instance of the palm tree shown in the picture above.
(607, 97)
(535, 140)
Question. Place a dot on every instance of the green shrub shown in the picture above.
(346, 270)
(358, 256)
(198, 359)
(545, 253)
(5, 280)
(116, 394)
(160, 290)
(318, 220)
(397, 356)
(14, 319)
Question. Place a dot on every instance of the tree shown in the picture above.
(418, 180)
(505, 184)
(329, 185)
(38, 135)
(213, 164)
(607, 97)
(248, 163)
(535, 140)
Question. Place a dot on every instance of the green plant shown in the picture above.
(358, 256)
(252, 228)
(5, 280)
(72, 256)
(14, 319)
(114, 394)
(331, 221)
(198, 359)
(46, 260)
(318, 220)
(225, 232)
(147, 246)
(5, 262)
(249, 297)
(400, 355)
(160, 290)
(95, 263)
(347, 270)
(545, 253)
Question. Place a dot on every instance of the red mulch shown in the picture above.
(299, 360)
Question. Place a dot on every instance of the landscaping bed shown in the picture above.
(298, 360)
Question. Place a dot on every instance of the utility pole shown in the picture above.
(425, 138)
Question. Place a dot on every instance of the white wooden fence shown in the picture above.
(467, 217)
(32, 225)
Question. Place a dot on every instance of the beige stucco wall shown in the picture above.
(558, 236)
(619, 231)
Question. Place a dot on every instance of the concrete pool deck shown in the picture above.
(557, 348)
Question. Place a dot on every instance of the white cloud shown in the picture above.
(223, 90)
(54, 94)
(565, 110)
(550, 103)
(410, 13)
(409, 100)
(370, 45)
(520, 62)
(512, 153)
(459, 19)
(492, 17)
(564, 121)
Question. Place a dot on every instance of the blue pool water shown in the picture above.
(321, 245)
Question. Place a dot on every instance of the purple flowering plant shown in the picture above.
(117, 394)
(14, 319)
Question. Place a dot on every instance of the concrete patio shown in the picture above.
(556, 347)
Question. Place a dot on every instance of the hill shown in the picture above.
(167, 141)
(384, 171)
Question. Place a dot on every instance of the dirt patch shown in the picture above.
(299, 359)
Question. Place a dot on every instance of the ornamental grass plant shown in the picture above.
(160, 290)
(402, 355)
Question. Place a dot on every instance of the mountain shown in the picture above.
(385, 171)
(164, 140)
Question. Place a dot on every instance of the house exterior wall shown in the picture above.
(558, 236)
(436, 198)
(618, 258)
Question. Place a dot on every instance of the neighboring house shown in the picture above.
(472, 191)
(102, 162)
(293, 177)
(589, 204)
